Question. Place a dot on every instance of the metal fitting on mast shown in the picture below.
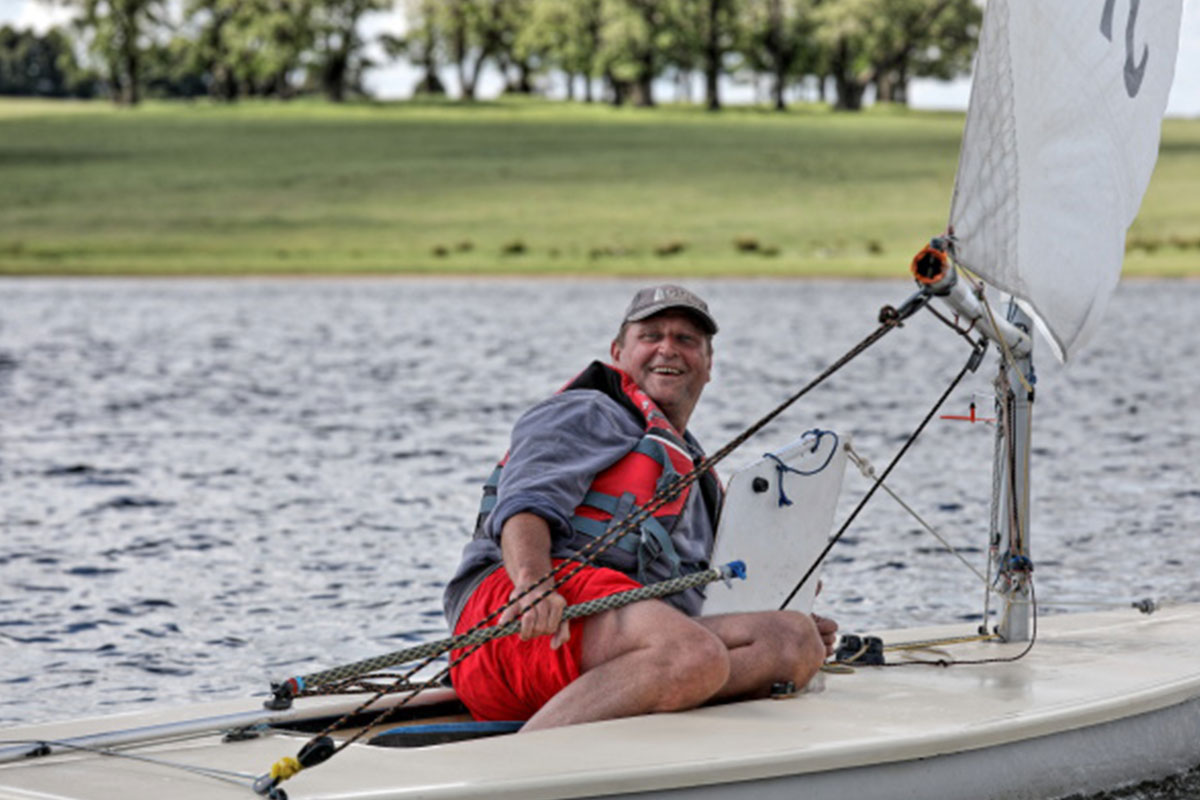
(935, 271)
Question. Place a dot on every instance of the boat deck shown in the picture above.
(1101, 699)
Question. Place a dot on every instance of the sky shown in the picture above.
(396, 81)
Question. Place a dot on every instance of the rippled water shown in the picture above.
(207, 484)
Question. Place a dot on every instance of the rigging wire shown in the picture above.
(868, 471)
(242, 779)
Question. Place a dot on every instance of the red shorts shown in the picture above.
(508, 679)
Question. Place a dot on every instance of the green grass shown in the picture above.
(512, 187)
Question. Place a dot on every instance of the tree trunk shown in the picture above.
(593, 39)
(333, 76)
(430, 82)
(884, 87)
(471, 82)
(524, 78)
(849, 89)
(712, 56)
(131, 91)
(619, 89)
(130, 59)
(849, 94)
(458, 51)
(644, 87)
(900, 89)
(779, 87)
(570, 86)
(775, 47)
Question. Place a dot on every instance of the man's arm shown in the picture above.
(525, 544)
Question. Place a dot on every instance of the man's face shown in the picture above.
(670, 357)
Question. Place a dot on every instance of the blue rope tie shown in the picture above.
(782, 468)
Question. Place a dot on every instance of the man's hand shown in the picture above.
(542, 619)
(828, 630)
(525, 544)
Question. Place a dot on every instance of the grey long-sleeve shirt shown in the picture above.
(558, 447)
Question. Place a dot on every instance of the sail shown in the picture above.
(1061, 137)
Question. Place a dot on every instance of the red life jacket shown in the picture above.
(656, 461)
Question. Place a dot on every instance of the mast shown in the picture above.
(1008, 540)
(1010, 537)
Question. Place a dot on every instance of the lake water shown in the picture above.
(211, 483)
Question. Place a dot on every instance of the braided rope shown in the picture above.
(484, 635)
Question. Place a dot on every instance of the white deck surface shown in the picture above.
(1085, 671)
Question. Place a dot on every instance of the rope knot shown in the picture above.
(285, 768)
(783, 469)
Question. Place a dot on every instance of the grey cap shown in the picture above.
(656, 299)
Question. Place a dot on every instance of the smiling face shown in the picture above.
(670, 357)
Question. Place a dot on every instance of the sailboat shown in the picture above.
(1060, 141)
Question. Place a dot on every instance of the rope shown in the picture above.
(947, 660)
(484, 635)
(783, 469)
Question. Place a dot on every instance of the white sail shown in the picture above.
(1061, 138)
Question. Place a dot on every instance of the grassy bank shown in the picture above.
(507, 188)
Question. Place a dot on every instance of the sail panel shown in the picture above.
(1060, 142)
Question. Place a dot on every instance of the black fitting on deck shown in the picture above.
(866, 651)
(281, 697)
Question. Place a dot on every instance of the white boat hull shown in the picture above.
(1102, 700)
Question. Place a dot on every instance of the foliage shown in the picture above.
(248, 48)
(120, 32)
(887, 42)
(34, 65)
(245, 48)
(777, 38)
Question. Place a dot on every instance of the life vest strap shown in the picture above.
(652, 542)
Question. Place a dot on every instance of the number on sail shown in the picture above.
(1133, 74)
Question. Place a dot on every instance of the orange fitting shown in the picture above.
(930, 265)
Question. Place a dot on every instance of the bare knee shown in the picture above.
(797, 642)
(694, 664)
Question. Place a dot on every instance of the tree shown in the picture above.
(422, 45)
(250, 47)
(635, 40)
(42, 65)
(566, 34)
(719, 39)
(472, 31)
(521, 51)
(337, 60)
(119, 33)
(944, 51)
(882, 41)
(777, 38)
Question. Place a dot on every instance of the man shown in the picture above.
(578, 462)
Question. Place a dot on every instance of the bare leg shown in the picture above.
(764, 648)
(644, 658)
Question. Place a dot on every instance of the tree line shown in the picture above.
(616, 51)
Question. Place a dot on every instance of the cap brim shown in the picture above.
(706, 321)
